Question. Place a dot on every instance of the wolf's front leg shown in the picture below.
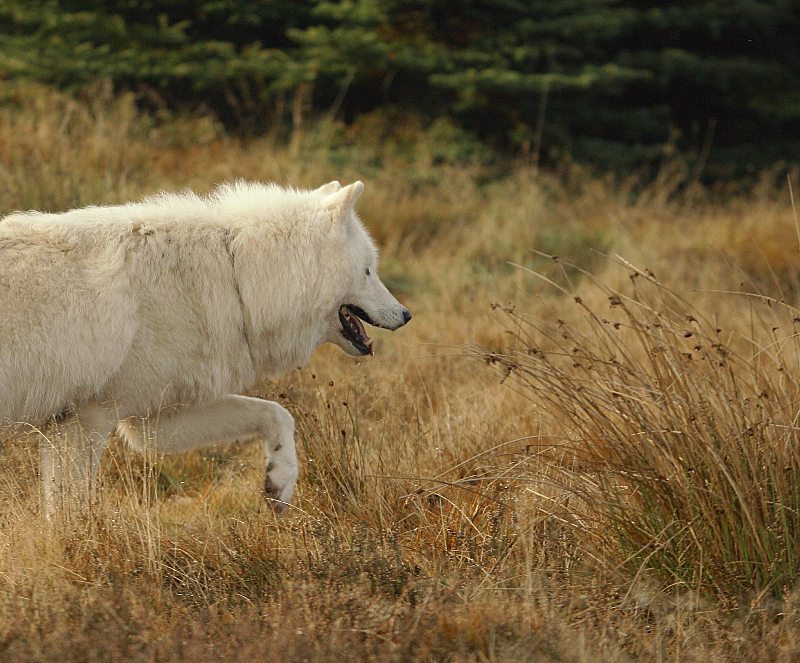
(228, 419)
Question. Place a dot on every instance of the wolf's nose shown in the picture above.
(406, 315)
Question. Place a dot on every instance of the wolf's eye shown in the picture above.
(366, 271)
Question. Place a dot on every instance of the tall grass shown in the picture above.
(624, 488)
(684, 432)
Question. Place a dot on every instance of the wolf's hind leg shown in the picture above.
(69, 458)
(228, 419)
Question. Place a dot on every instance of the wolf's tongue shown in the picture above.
(355, 331)
(359, 328)
(361, 332)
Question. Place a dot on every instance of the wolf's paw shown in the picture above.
(279, 485)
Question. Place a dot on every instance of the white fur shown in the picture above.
(112, 313)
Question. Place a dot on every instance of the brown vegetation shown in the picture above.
(584, 458)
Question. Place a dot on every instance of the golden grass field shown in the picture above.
(592, 457)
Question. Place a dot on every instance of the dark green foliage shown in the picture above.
(610, 81)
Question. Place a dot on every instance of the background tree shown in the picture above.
(609, 81)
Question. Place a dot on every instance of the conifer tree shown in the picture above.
(606, 80)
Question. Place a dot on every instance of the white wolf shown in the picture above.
(107, 314)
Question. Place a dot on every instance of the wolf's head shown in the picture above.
(306, 271)
(362, 297)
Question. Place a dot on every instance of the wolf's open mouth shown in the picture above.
(353, 330)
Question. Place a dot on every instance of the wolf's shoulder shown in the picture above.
(265, 204)
(235, 203)
(269, 193)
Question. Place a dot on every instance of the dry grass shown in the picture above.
(624, 487)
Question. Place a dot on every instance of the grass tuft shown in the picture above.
(680, 430)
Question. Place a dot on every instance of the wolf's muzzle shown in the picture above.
(361, 313)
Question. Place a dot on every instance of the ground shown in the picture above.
(586, 458)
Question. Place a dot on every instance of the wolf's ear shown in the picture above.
(341, 203)
(330, 187)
